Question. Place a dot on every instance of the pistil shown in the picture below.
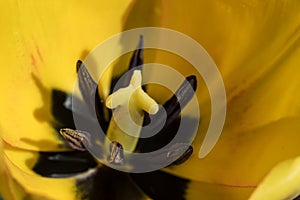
(129, 105)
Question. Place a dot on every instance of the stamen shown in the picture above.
(116, 153)
(87, 85)
(188, 152)
(76, 139)
(179, 151)
(88, 90)
(181, 97)
(176, 103)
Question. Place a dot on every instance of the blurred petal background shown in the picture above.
(255, 45)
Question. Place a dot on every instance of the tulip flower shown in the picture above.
(255, 45)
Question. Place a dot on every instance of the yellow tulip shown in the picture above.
(255, 45)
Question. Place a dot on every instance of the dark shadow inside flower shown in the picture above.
(63, 164)
(161, 185)
(93, 182)
(108, 183)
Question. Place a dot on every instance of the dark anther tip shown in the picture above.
(78, 65)
(116, 144)
(141, 42)
(184, 157)
(116, 153)
(193, 81)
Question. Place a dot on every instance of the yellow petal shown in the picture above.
(281, 183)
(209, 191)
(41, 44)
(244, 158)
(243, 37)
(257, 53)
(4, 177)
